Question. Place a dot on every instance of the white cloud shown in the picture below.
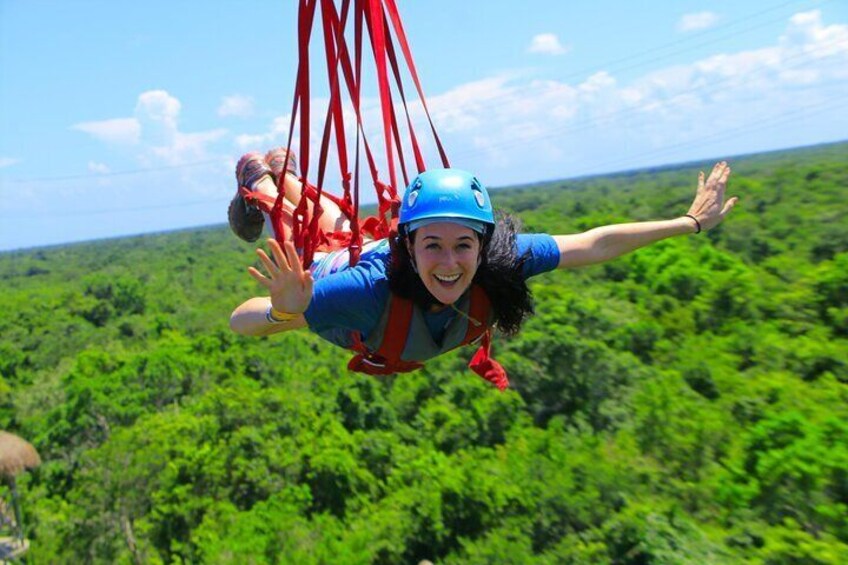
(182, 148)
(806, 31)
(458, 109)
(236, 105)
(117, 130)
(601, 80)
(155, 136)
(158, 112)
(8, 162)
(697, 21)
(277, 133)
(99, 168)
(547, 44)
(501, 122)
(155, 121)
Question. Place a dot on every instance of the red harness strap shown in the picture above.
(387, 359)
(482, 363)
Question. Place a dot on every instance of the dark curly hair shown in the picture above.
(499, 274)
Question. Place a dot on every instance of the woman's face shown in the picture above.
(446, 255)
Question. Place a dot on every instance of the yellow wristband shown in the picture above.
(277, 317)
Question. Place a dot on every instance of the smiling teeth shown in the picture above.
(445, 278)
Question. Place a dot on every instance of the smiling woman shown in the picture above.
(453, 272)
(446, 256)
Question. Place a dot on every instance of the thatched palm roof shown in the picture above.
(16, 455)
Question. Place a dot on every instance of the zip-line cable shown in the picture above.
(798, 59)
(146, 170)
(489, 102)
(592, 122)
(801, 113)
(764, 123)
(610, 65)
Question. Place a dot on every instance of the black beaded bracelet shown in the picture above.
(697, 223)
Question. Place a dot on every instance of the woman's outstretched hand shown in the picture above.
(289, 285)
(709, 206)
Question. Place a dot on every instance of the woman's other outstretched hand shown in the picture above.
(709, 206)
(289, 285)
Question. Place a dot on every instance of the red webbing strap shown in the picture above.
(334, 27)
(360, 11)
(482, 363)
(395, 131)
(306, 15)
(375, 228)
(374, 18)
(264, 202)
(397, 329)
(386, 194)
(416, 150)
(387, 359)
(314, 236)
(399, 146)
(333, 41)
(377, 15)
(306, 233)
(478, 312)
(391, 6)
(302, 211)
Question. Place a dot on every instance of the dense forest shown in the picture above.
(684, 404)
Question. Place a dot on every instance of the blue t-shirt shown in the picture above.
(351, 299)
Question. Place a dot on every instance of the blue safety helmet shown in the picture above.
(446, 195)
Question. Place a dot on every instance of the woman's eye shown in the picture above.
(432, 246)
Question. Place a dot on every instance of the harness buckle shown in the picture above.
(373, 363)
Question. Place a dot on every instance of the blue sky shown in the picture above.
(121, 118)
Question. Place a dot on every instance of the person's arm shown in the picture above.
(290, 289)
(251, 318)
(608, 242)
